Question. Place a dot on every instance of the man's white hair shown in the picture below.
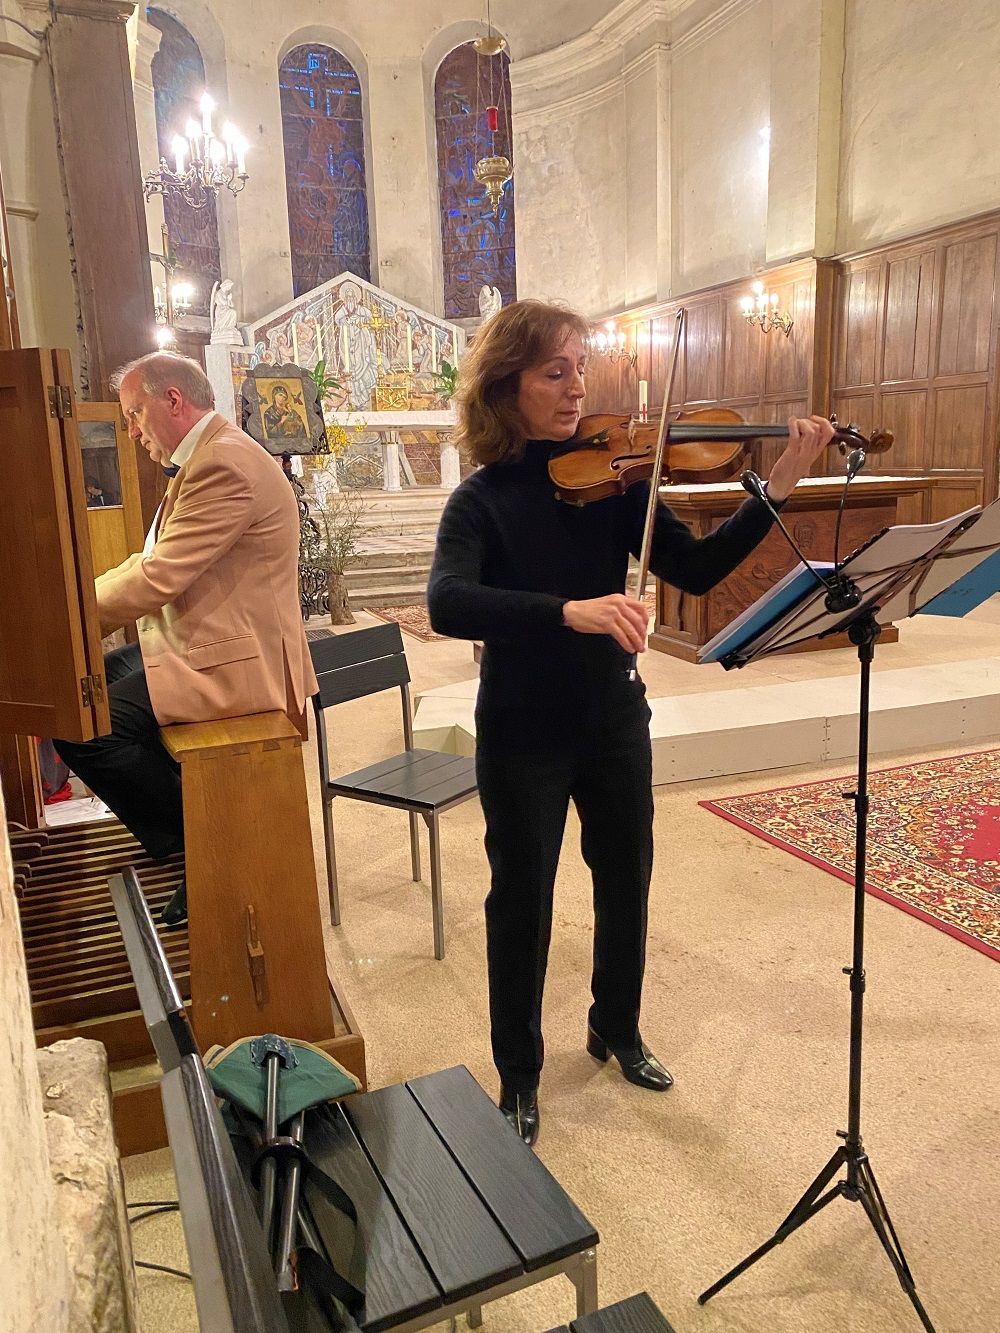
(160, 371)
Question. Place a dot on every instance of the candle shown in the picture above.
(434, 349)
(454, 344)
(207, 107)
(319, 342)
(643, 400)
(180, 152)
(347, 351)
(295, 342)
(229, 137)
(409, 346)
(241, 156)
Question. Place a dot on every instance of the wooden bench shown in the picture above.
(454, 1210)
(256, 939)
(636, 1315)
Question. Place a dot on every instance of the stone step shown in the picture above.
(405, 576)
(774, 726)
(387, 594)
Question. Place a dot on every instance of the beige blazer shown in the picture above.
(216, 600)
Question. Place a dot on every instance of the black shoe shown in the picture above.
(175, 913)
(639, 1065)
(521, 1110)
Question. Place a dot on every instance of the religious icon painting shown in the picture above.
(281, 410)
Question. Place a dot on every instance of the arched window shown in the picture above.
(178, 83)
(323, 129)
(477, 244)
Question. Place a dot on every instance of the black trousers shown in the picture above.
(525, 794)
(130, 770)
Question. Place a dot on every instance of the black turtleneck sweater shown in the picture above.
(510, 555)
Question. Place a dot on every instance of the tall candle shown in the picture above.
(319, 341)
(347, 351)
(409, 346)
(434, 349)
(643, 400)
(295, 342)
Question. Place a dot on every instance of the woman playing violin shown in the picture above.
(559, 715)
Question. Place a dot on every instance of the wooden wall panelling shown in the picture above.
(917, 325)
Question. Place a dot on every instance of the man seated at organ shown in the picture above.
(214, 594)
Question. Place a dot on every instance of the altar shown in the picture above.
(683, 622)
(385, 372)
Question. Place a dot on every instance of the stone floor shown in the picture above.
(744, 1000)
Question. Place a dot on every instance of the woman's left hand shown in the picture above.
(807, 438)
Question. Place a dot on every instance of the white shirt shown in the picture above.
(177, 459)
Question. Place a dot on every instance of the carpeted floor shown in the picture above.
(745, 1002)
(933, 845)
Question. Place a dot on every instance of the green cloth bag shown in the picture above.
(316, 1078)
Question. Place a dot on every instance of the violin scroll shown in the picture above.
(850, 437)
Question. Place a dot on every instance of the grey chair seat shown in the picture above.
(421, 780)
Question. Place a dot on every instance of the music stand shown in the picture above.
(894, 575)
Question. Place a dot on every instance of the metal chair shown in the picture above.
(421, 782)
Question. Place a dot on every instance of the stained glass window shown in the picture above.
(178, 83)
(323, 128)
(477, 244)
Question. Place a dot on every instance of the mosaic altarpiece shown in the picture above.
(383, 356)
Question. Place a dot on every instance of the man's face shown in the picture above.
(152, 420)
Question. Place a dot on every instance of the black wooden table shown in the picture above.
(454, 1210)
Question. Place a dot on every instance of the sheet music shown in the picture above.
(874, 568)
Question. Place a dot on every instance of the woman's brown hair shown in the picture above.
(520, 335)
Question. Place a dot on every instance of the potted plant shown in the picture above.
(446, 379)
(338, 517)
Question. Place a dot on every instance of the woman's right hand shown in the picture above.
(624, 618)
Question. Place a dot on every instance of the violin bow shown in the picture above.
(646, 550)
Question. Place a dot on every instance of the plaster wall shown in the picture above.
(36, 213)
(720, 98)
(921, 106)
(36, 1274)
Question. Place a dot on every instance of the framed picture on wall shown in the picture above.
(280, 409)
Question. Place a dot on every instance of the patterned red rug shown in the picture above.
(933, 838)
(410, 619)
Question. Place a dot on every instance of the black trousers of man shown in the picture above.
(525, 793)
(130, 770)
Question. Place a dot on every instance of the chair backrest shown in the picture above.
(350, 666)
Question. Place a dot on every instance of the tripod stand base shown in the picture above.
(860, 1186)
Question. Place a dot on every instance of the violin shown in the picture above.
(610, 453)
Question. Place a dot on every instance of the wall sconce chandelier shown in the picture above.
(762, 309)
(612, 343)
(203, 163)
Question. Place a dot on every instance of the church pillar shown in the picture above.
(36, 210)
(807, 60)
(95, 119)
(390, 460)
(646, 219)
(144, 42)
(451, 464)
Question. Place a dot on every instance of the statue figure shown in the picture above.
(222, 312)
(490, 301)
